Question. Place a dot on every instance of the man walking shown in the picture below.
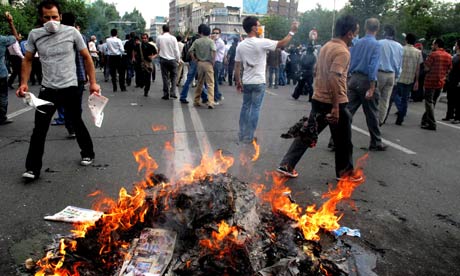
(251, 54)
(145, 53)
(203, 52)
(56, 45)
(5, 41)
(16, 58)
(329, 104)
(408, 80)
(389, 69)
(218, 64)
(168, 50)
(437, 66)
(115, 51)
(364, 64)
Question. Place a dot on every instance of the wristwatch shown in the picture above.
(291, 33)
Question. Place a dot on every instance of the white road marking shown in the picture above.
(449, 125)
(271, 93)
(182, 154)
(200, 132)
(386, 142)
(19, 112)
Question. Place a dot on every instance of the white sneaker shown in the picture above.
(86, 161)
(29, 175)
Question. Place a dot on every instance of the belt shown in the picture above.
(383, 71)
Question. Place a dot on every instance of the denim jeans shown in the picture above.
(402, 98)
(273, 71)
(218, 68)
(190, 77)
(3, 99)
(253, 95)
(282, 75)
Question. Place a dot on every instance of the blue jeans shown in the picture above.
(3, 99)
(253, 95)
(282, 75)
(402, 98)
(273, 71)
(190, 77)
(218, 68)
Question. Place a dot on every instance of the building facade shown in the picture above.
(286, 8)
(156, 26)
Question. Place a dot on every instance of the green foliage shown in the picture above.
(319, 18)
(100, 14)
(138, 26)
(276, 27)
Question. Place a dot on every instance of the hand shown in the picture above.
(369, 94)
(9, 17)
(239, 86)
(94, 88)
(333, 117)
(21, 90)
(415, 86)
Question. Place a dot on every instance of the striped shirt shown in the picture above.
(439, 63)
(412, 58)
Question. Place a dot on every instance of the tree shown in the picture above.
(276, 27)
(139, 23)
(100, 14)
(318, 18)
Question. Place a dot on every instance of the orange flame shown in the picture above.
(159, 127)
(313, 220)
(54, 263)
(224, 232)
(216, 164)
(256, 150)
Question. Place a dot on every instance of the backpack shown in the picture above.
(185, 51)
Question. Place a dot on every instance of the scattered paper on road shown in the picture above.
(31, 100)
(96, 104)
(76, 215)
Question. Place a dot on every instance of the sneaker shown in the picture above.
(71, 135)
(378, 148)
(29, 175)
(210, 107)
(352, 178)
(217, 103)
(184, 101)
(284, 171)
(57, 122)
(86, 161)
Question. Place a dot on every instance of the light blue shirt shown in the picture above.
(5, 41)
(391, 56)
(365, 57)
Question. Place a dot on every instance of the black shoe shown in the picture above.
(71, 135)
(378, 148)
(184, 101)
(5, 122)
(146, 94)
(398, 122)
(173, 96)
(123, 89)
(427, 127)
(165, 98)
(446, 118)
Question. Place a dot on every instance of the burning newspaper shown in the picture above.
(75, 215)
(150, 254)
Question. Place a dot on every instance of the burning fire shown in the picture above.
(131, 208)
(159, 128)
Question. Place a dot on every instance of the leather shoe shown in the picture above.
(184, 101)
(165, 98)
(378, 148)
(446, 119)
(427, 127)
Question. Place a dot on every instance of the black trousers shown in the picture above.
(69, 98)
(116, 65)
(169, 76)
(15, 62)
(341, 135)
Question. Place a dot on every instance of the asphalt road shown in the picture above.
(406, 210)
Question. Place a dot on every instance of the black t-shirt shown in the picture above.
(147, 50)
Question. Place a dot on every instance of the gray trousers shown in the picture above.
(385, 83)
(431, 97)
(358, 84)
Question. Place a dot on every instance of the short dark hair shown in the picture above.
(439, 42)
(411, 38)
(113, 32)
(179, 38)
(389, 30)
(68, 19)
(145, 34)
(217, 30)
(165, 28)
(204, 29)
(48, 4)
(249, 22)
(345, 24)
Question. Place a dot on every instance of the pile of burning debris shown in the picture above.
(204, 222)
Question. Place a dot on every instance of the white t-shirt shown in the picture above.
(252, 53)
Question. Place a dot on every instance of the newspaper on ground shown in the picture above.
(150, 254)
(76, 215)
(31, 100)
(96, 104)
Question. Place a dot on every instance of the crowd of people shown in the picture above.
(338, 78)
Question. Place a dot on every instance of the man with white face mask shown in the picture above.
(56, 44)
